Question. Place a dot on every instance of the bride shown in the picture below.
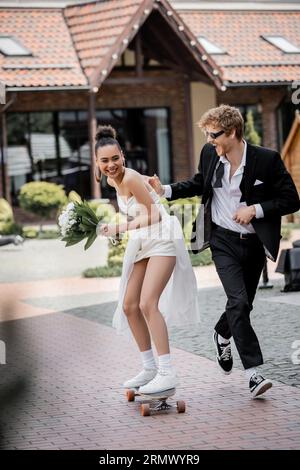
(158, 286)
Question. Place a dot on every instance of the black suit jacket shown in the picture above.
(277, 194)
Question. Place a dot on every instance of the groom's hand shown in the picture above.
(244, 215)
(154, 181)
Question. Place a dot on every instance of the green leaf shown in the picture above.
(85, 211)
(86, 228)
(87, 221)
(72, 242)
(90, 240)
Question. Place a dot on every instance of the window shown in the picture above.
(10, 46)
(283, 44)
(54, 146)
(210, 47)
(20, 167)
(49, 146)
(145, 138)
(74, 151)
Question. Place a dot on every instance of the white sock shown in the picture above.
(249, 372)
(148, 359)
(222, 340)
(164, 362)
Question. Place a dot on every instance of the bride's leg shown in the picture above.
(158, 272)
(131, 308)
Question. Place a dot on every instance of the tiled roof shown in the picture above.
(45, 34)
(97, 26)
(249, 58)
(101, 31)
(79, 45)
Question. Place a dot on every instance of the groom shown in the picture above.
(245, 190)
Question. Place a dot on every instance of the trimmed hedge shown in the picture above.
(41, 198)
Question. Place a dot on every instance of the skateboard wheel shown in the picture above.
(181, 406)
(130, 394)
(145, 409)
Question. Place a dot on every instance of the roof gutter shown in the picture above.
(256, 84)
(234, 6)
(50, 88)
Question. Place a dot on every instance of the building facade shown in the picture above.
(149, 68)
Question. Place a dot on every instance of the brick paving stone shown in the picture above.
(276, 324)
(74, 399)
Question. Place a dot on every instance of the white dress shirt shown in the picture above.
(226, 200)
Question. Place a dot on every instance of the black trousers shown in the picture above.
(239, 263)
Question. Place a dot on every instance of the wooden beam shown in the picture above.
(137, 81)
(172, 53)
(5, 181)
(95, 186)
(138, 56)
(189, 126)
(154, 52)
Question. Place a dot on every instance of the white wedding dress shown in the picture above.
(178, 302)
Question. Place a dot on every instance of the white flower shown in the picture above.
(70, 206)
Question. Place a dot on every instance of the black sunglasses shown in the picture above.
(214, 135)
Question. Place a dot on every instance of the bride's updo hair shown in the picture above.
(106, 135)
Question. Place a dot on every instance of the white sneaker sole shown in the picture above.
(158, 390)
(261, 388)
(129, 385)
(221, 368)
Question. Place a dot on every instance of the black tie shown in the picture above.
(219, 175)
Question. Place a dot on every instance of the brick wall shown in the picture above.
(268, 97)
(165, 94)
(169, 94)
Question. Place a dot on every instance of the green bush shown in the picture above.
(7, 223)
(114, 262)
(48, 235)
(251, 135)
(106, 211)
(186, 211)
(41, 198)
(286, 232)
(10, 228)
(6, 213)
(201, 259)
(103, 271)
(116, 253)
(30, 232)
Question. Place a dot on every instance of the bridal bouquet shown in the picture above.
(78, 221)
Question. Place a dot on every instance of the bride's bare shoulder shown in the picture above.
(133, 176)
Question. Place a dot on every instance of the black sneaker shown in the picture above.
(258, 385)
(224, 357)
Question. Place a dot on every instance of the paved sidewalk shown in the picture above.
(63, 392)
(61, 386)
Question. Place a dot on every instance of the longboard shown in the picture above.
(156, 401)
